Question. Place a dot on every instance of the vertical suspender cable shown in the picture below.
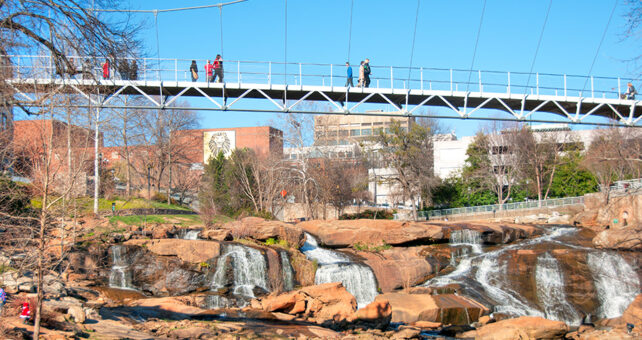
(157, 46)
(414, 35)
(285, 45)
(220, 10)
(600, 45)
(539, 42)
(472, 63)
(350, 30)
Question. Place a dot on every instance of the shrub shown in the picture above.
(369, 214)
(14, 198)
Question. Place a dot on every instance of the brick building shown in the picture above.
(200, 144)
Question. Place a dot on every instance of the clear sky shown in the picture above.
(382, 31)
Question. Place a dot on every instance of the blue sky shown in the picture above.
(382, 31)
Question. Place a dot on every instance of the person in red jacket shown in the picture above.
(218, 68)
(25, 312)
(106, 69)
(209, 71)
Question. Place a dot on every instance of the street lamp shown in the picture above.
(149, 189)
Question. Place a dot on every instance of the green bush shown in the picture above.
(369, 214)
(14, 198)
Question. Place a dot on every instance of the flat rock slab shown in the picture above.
(445, 308)
(194, 251)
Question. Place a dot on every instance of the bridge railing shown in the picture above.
(555, 202)
(334, 75)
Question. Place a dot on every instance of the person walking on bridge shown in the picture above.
(630, 92)
(366, 73)
(360, 81)
(218, 68)
(193, 70)
(106, 70)
(348, 74)
(209, 71)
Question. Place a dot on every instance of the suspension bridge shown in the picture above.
(290, 87)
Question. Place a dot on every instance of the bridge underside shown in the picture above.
(288, 98)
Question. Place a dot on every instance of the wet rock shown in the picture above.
(446, 308)
(407, 333)
(375, 315)
(525, 327)
(428, 324)
(261, 229)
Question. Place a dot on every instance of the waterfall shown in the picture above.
(248, 268)
(616, 283)
(550, 291)
(187, 234)
(491, 274)
(286, 272)
(120, 276)
(358, 279)
(467, 237)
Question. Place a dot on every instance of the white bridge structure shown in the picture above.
(536, 97)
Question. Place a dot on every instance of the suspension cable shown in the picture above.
(600, 46)
(350, 30)
(285, 45)
(219, 5)
(414, 35)
(157, 47)
(481, 20)
(541, 34)
(220, 10)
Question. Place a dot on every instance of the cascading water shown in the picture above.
(249, 270)
(119, 276)
(467, 237)
(286, 272)
(187, 234)
(550, 291)
(616, 282)
(358, 279)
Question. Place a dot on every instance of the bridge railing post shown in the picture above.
(451, 80)
(300, 75)
(508, 87)
(565, 93)
(391, 79)
(176, 69)
(145, 69)
(481, 89)
(421, 78)
(270, 73)
(331, 73)
(238, 71)
(592, 89)
(537, 77)
(619, 90)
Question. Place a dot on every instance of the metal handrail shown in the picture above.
(333, 75)
(555, 202)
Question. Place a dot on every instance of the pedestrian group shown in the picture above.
(364, 74)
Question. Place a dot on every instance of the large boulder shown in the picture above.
(345, 233)
(633, 313)
(623, 238)
(398, 267)
(261, 229)
(446, 308)
(377, 314)
(327, 304)
(193, 251)
(525, 327)
(620, 212)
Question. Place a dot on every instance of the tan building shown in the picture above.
(350, 129)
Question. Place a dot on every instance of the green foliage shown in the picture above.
(270, 241)
(14, 197)
(360, 246)
(4, 269)
(369, 214)
(140, 220)
(281, 243)
(204, 265)
(571, 179)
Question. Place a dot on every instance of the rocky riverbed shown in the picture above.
(360, 279)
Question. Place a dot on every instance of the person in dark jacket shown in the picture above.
(193, 70)
(349, 75)
(630, 91)
(133, 70)
(366, 73)
(218, 69)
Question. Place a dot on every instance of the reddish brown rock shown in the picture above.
(445, 308)
(623, 238)
(375, 315)
(398, 267)
(427, 324)
(217, 234)
(525, 327)
(194, 251)
(261, 229)
(633, 313)
(345, 233)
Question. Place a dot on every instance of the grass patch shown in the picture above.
(86, 204)
(359, 246)
(140, 220)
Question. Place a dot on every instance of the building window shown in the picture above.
(499, 150)
(355, 132)
(366, 132)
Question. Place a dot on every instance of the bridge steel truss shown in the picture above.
(235, 97)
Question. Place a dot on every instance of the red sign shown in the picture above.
(283, 193)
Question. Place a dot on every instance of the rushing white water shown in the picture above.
(358, 279)
(248, 268)
(467, 237)
(616, 282)
(550, 291)
(119, 276)
(286, 272)
(186, 234)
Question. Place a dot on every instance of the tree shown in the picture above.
(492, 163)
(410, 154)
(214, 195)
(572, 179)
